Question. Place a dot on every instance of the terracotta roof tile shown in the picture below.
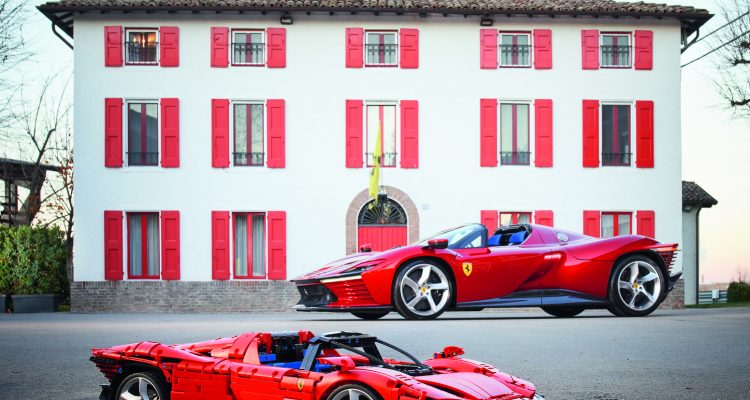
(694, 195)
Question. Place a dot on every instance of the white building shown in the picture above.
(222, 149)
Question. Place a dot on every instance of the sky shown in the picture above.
(715, 147)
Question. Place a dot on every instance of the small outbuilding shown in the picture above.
(694, 199)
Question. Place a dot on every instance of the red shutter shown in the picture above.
(220, 133)
(544, 217)
(219, 47)
(276, 133)
(488, 133)
(220, 245)
(113, 133)
(490, 219)
(354, 42)
(169, 46)
(590, 49)
(646, 223)
(170, 133)
(113, 245)
(542, 48)
(276, 47)
(113, 46)
(354, 155)
(591, 133)
(644, 44)
(591, 223)
(409, 45)
(170, 245)
(644, 145)
(277, 245)
(543, 132)
(488, 48)
(409, 134)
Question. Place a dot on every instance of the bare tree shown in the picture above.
(740, 273)
(13, 51)
(732, 60)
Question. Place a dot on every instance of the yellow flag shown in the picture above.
(375, 173)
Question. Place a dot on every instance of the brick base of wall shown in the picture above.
(183, 296)
(676, 298)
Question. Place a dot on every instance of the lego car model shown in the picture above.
(301, 366)
(522, 265)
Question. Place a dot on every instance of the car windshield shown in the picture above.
(462, 237)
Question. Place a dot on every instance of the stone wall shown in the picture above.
(676, 298)
(183, 296)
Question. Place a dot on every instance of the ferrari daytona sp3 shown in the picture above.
(522, 265)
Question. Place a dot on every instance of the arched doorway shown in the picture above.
(362, 199)
(382, 226)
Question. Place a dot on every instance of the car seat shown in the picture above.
(494, 240)
(517, 238)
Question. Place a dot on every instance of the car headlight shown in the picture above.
(359, 268)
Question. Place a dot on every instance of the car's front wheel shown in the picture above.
(422, 290)
(563, 312)
(636, 288)
(142, 386)
(369, 315)
(353, 392)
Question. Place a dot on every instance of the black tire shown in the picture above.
(158, 385)
(370, 315)
(617, 305)
(563, 312)
(398, 301)
(341, 390)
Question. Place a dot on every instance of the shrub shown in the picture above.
(32, 261)
(738, 292)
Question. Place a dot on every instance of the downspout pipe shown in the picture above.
(54, 30)
(697, 256)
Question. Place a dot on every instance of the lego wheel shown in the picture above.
(354, 392)
(142, 386)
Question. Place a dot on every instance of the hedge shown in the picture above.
(32, 261)
(738, 292)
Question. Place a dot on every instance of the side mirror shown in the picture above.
(450, 352)
(365, 248)
(436, 244)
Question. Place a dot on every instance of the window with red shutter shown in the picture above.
(543, 132)
(276, 133)
(276, 47)
(169, 46)
(170, 245)
(219, 47)
(590, 49)
(644, 42)
(490, 219)
(616, 223)
(515, 217)
(542, 48)
(143, 249)
(276, 245)
(646, 220)
(112, 133)
(644, 146)
(170, 133)
(591, 133)
(409, 42)
(248, 134)
(488, 48)
(220, 245)
(488, 133)
(515, 49)
(113, 46)
(591, 223)
(354, 114)
(544, 217)
(354, 43)
(220, 133)
(113, 245)
(409, 134)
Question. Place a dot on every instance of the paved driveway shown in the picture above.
(684, 354)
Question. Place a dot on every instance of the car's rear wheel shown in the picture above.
(563, 312)
(422, 290)
(636, 288)
(369, 315)
(353, 392)
(142, 386)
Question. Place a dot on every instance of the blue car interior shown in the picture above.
(287, 352)
(509, 236)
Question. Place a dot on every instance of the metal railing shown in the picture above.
(515, 157)
(387, 159)
(377, 51)
(143, 158)
(619, 52)
(141, 53)
(248, 159)
(616, 159)
(520, 51)
(248, 53)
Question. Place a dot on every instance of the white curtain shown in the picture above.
(152, 230)
(258, 245)
(136, 245)
(240, 245)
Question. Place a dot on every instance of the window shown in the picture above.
(248, 47)
(141, 47)
(515, 49)
(616, 224)
(512, 218)
(381, 118)
(616, 135)
(615, 50)
(514, 134)
(143, 245)
(143, 134)
(381, 48)
(248, 134)
(249, 245)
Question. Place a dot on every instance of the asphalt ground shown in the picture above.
(672, 354)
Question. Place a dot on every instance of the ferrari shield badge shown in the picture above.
(467, 267)
(300, 384)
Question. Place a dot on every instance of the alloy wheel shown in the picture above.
(352, 394)
(639, 285)
(425, 289)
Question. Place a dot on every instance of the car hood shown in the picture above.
(468, 385)
(338, 266)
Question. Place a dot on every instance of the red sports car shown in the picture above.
(523, 265)
(298, 366)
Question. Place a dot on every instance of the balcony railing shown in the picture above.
(248, 53)
(249, 159)
(143, 158)
(616, 159)
(515, 157)
(140, 53)
(381, 54)
(387, 160)
(615, 56)
(518, 51)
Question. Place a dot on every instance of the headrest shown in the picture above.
(494, 240)
(517, 238)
